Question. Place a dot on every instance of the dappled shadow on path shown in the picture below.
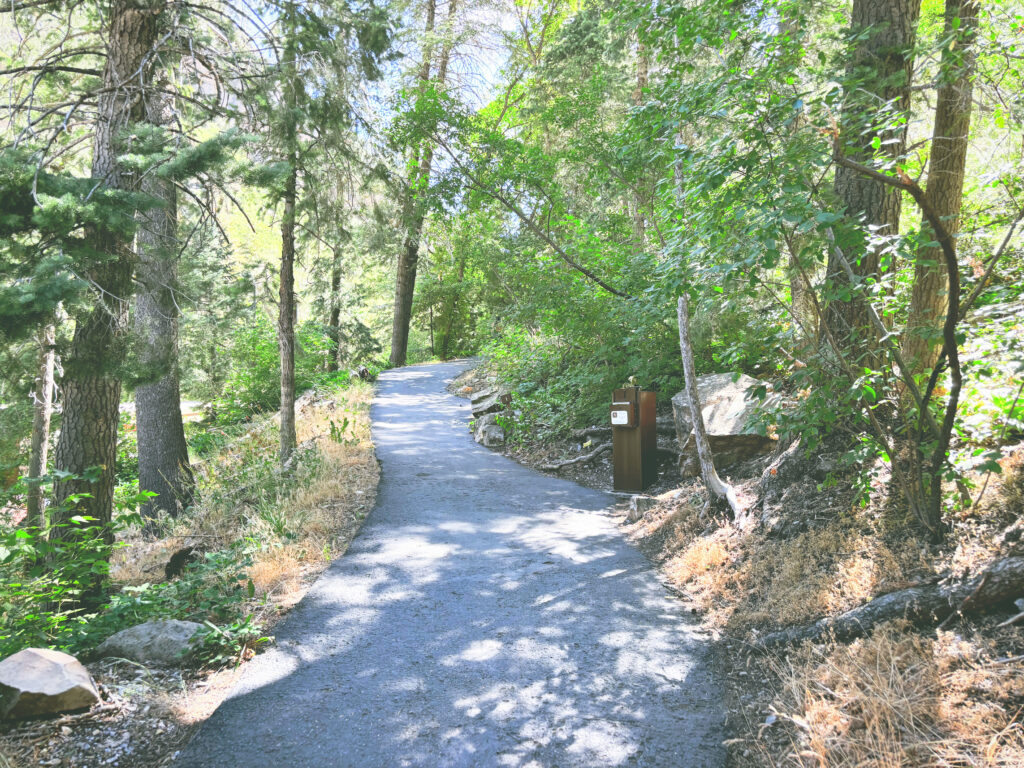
(486, 615)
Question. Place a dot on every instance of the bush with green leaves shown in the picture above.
(254, 381)
(45, 572)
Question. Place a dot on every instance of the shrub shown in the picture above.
(43, 577)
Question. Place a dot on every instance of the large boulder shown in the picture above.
(488, 432)
(727, 405)
(38, 681)
(155, 642)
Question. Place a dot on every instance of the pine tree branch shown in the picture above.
(51, 68)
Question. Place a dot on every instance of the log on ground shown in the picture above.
(1001, 582)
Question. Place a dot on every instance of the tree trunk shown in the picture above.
(334, 322)
(716, 487)
(43, 408)
(879, 72)
(164, 467)
(286, 296)
(922, 339)
(286, 317)
(405, 285)
(91, 387)
(413, 211)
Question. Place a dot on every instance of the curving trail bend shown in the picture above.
(486, 615)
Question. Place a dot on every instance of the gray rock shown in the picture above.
(38, 681)
(486, 401)
(488, 432)
(726, 450)
(826, 465)
(155, 642)
(727, 407)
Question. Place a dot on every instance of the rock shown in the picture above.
(304, 401)
(638, 506)
(38, 681)
(727, 407)
(826, 466)
(726, 450)
(155, 642)
(487, 401)
(488, 432)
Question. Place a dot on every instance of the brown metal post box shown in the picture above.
(633, 414)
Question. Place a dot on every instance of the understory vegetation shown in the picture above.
(208, 209)
(242, 552)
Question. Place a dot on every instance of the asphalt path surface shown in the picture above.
(486, 615)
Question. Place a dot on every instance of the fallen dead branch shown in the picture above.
(923, 604)
(579, 459)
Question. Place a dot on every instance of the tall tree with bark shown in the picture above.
(164, 467)
(329, 45)
(414, 201)
(286, 299)
(91, 384)
(922, 339)
(872, 130)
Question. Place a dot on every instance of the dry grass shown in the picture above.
(740, 581)
(295, 524)
(898, 699)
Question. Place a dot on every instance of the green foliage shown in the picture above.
(45, 573)
(212, 589)
(254, 378)
(127, 450)
(218, 645)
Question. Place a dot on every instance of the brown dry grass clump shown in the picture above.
(743, 581)
(1011, 491)
(899, 699)
(295, 524)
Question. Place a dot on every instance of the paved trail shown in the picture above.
(486, 615)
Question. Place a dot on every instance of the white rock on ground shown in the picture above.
(638, 507)
(155, 642)
(38, 681)
(488, 432)
(727, 407)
